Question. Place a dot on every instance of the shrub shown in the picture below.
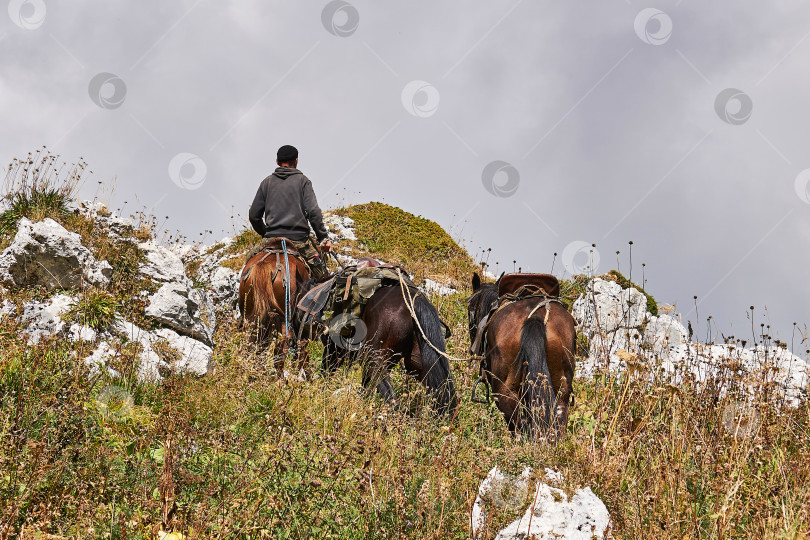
(96, 309)
(36, 187)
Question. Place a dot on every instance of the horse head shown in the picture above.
(479, 304)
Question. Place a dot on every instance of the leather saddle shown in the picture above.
(273, 245)
(510, 283)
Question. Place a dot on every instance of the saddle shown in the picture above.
(512, 283)
(514, 287)
(272, 246)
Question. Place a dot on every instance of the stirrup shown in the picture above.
(486, 400)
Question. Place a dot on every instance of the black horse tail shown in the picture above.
(536, 392)
(436, 369)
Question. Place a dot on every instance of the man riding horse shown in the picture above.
(285, 206)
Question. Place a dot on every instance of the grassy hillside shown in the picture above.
(419, 244)
(240, 454)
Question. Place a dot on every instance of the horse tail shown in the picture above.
(435, 367)
(536, 391)
(254, 303)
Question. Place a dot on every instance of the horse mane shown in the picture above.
(482, 300)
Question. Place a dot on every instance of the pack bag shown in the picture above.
(353, 289)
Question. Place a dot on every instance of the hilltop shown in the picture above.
(132, 403)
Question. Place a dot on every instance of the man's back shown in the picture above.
(285, 205)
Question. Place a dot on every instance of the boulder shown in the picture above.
(100, 358)
(109, 222)
(194, 356)
(187, 311)
(151, 366)
(224, 286)
(161, 264)
(45, 254)
(44, 319)
(550, 513)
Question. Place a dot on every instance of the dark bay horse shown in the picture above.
(264, 297)
(388, 332)
(528, 343)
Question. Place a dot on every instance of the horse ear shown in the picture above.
(476, 281)
(501, 276)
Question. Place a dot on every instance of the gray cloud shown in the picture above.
(614, 139)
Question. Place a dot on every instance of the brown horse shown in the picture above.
(388, 332)
(264, 296)
(527, 343)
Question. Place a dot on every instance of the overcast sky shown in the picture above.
(528, 127)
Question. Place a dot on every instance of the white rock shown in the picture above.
(114, 224)
(48, 255)
(100, 358)
(78, 332)
(550, 513)
(7, 308)
(431, 286)
(195, 355)
(161, 264)
(150, 364)
(44, 319)
(614, 320)
(340, 228)
(224, 286)
(182, 309)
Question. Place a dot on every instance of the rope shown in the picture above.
(409, 303)
(286, 287)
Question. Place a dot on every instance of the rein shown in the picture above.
(406, 295)
(286, 287)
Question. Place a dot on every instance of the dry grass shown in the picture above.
(240, 454)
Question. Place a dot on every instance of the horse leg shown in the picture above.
(301, 357)
(375, 374)
(330, 361)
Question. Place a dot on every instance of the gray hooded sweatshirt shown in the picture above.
(285, 205)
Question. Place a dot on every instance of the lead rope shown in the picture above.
(406, 295)
(286, 290)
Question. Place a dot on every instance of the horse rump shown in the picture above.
(537, 394)
(437, 377)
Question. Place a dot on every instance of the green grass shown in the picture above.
(96, 309)
(421, 245)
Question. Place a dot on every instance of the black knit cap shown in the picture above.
(287, 153)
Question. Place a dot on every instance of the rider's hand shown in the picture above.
(326, 246)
